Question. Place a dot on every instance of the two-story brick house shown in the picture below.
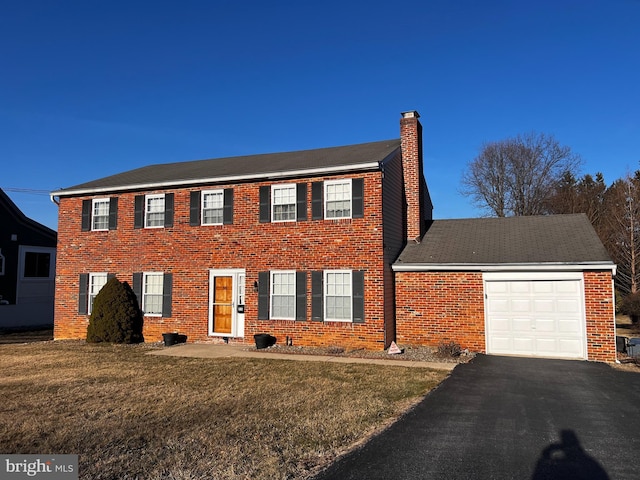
(296, 244)
(333, 246)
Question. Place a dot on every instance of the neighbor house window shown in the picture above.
(37, 265)
(283, 295)
(337, 297)
(337, 199)
(152, 293)
(1, 263)
(212, 207)
(154, 211)
(283, 198)
(96, 282)
(100, 214)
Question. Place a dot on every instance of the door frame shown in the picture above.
(237, 308)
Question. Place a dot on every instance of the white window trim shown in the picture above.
(273, 205)
(89, 294)
(144, 293)
(325, 295)
(146, 209)
(326, 194)
(271, 284)
(93, 216)
(202, 195)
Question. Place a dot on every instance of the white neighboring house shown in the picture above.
(27, 268)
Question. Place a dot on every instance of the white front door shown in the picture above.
(536, 316)
(226, 303)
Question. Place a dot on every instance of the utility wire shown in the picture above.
(26, 190)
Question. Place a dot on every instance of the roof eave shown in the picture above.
(216, 180)
(504, 267)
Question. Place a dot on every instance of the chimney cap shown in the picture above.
(410, 114)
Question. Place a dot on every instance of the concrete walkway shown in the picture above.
(207, 350)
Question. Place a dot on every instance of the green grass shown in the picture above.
(131, 415)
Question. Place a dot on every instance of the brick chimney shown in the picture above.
(411, 138)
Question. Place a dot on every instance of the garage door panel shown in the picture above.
(535, 318)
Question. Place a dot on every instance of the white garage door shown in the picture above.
(535, 317)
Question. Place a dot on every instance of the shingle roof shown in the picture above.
(552, 239)
(346, 158)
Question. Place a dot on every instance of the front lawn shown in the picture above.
(129, 415)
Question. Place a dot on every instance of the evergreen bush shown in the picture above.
(115, 316)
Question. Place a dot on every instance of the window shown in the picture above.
(284, 203)
(96, 282)
(1, 263)
(338, 199)
(337, 295)
(37, 265)
(152, 293)
(100, 214)
(212, 207)
(283, 295)
(154, 211)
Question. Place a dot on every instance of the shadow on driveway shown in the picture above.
(511, 418)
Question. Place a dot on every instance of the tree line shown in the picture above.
(534, 174)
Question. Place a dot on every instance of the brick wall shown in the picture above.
(189, 253)
(440, 307)
(601, 331)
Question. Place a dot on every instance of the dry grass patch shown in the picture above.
(131, 415)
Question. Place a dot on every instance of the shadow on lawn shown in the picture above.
(25, 335)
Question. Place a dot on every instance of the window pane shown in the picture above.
(338, 199)
(284, 203)
(212, 207)
(96, 282)
(36, 264)
(155, 211)
(152, 296)
(101, 214)
(338, 296)
(283, 295)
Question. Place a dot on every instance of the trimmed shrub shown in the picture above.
(631, 306)
(115, 316)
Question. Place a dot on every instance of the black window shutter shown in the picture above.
(316, 201)
(301, 202)
(227, 211)
(301, 295)
(194, 208)
(86, 215)
(263, 295)
(138, 212)
(265, 204)
(83, 290)
(167, 294)
(317, 299)
(113, 213)
(357, 278)
(357, 197)
(137, 287)
(168, 210)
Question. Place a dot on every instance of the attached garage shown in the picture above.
(529, 286)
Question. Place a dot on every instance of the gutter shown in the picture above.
(504, 267)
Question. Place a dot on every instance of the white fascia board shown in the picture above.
(214, 180)
(506, 267)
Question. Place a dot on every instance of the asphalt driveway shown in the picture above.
(512, 418)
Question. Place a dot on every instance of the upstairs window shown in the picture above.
(100, 214)
(212, 207)
(337, 199)
(153, 211)
(283, 199)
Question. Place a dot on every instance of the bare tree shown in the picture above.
(518, 176)
(621, 231)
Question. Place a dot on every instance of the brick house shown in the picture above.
(296, 244)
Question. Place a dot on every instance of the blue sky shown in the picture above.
(90, 88)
